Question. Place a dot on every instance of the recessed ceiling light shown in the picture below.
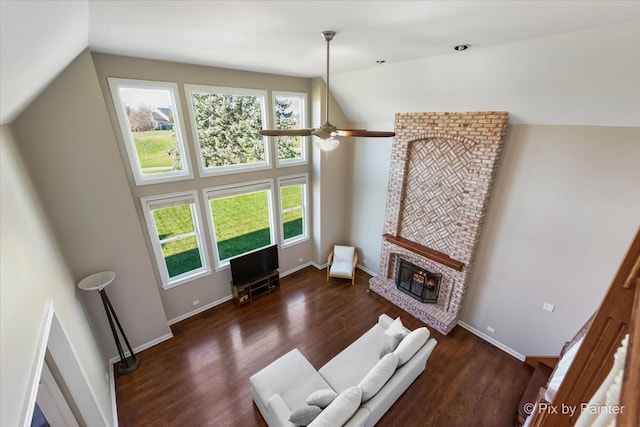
(461, 47)
(380, 61)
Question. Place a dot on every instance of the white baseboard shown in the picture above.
(319, 266)
(144, 346)
(493, 341)
(200, 309)
(366, 270)
(293, 270)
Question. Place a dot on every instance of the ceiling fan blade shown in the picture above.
(327, 131)
(364, 133)
(286, 132)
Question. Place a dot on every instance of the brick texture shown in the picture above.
(440, 180)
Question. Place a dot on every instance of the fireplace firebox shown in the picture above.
(421, 284)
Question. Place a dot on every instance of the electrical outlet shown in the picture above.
(196, 302)
(491, 329)
(300, 259)
(548, 307)
(364, 261)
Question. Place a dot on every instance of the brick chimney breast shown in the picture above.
(441, 175)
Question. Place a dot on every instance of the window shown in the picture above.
(241, 218)
(290, 112)
(174, 224)
(150, 118)
(293, 209)
(226, 125)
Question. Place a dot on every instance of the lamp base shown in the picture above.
(132, 363)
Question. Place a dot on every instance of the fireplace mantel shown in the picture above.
(424, 251)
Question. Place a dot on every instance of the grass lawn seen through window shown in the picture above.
(154, 148)
(241, 225)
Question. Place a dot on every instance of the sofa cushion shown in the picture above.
(390, 343)
(350, 366)
(378, 376)
(411, 344)
(340, 410)
(394, 333)
(321, 398)
(303, 415)
(396, 327)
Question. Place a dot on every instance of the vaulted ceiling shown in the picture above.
(40, 38)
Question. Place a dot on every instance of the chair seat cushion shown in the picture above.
(341, 269)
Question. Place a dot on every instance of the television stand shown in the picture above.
(247, 292)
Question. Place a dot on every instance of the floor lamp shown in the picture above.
(99, 281)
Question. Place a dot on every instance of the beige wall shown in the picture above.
(332, 180)
(34, 274)
(565, 207)
(70, 152)
(371, 165)
(208, 290)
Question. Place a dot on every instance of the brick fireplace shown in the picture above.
(440, 180)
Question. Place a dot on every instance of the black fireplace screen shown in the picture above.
(421, 284)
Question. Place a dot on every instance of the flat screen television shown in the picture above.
(248, 267)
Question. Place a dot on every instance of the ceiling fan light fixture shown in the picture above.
(327, 144)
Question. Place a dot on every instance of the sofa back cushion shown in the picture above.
(343, 253)
(340, 410)
(378, 376)
(411, 344)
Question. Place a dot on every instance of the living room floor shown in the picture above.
(200, 377)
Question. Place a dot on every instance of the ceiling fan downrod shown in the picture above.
(327, 127)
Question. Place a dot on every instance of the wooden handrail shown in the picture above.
(424, 251)
(630, 394)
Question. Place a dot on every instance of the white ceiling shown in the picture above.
(38, 39)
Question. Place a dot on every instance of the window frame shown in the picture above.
(287, 181)
(304, 120)
(238, 189)
(261, 94)
(115, 84)
(151, 203)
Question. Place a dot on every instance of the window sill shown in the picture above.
(226, 170)
(293, 242)
(290, 163)
(141, 180)
(185, 280)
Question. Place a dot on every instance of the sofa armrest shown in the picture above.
(384, 321)
(279, 413)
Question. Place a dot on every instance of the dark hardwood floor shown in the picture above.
(201, 376)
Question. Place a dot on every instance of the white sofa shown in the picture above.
(284, 385)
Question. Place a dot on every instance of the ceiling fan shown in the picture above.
(327, 133)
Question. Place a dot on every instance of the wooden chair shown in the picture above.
(342, 262)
